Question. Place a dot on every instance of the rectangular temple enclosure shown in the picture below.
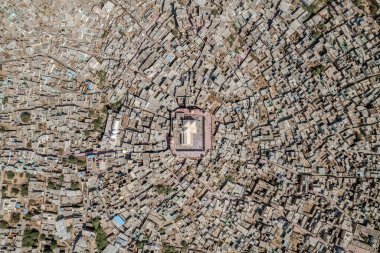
(191, 133)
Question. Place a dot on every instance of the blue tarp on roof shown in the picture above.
(90, 156)
(71, 74)
(118, 220)
(170, 58)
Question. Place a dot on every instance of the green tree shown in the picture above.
(4, 224)
(28, 216)
(230, 178)
(10, 174)
(116, 106)
(321, 27)
(317, 70)
(47, 249)
(358, 3)
(98, 123)
(169, 249)
(184, 245)
(30, 238)
(101, 238)
(5, 100)
(214, 12)
(140, 244)
(102, 76)
(87, 133)
(24, 190)
(25, 117)
(52, 185)
(42, 237)
(91, 113)
(15, 217)
(54, 244)
(15, 190)
(312, 8)
(163, 189)
(231, 39)
(74, 160)
(60, 151)
(373, 8)
(75, 186)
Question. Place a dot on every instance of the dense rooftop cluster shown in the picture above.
(87, 94)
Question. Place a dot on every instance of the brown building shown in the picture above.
(191, 133)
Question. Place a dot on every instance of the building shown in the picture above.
(190, 133)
